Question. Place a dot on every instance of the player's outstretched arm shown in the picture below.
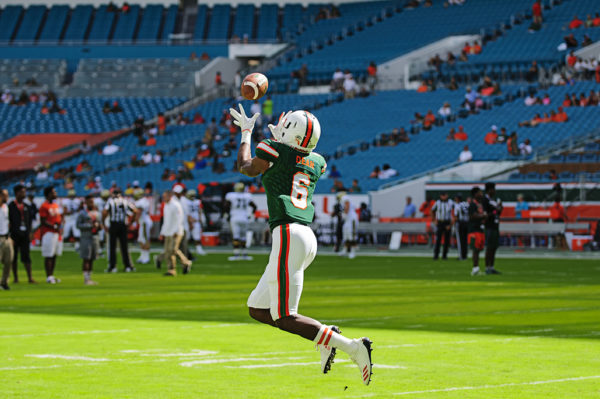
(246, 164)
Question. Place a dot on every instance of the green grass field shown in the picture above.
(533, 332)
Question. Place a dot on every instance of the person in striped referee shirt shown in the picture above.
(120, 211)
(442, 215)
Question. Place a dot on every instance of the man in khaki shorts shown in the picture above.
(172, 233)
(6, 246)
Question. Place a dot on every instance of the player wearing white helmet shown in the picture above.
(239, 204)
(144, 222)
(350, 226)
(195, 219)
(179, 191)
(70, 207)
(290, 170)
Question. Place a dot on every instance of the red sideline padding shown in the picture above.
(26, 150)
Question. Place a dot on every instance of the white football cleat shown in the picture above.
(328, 353)
(475, 271)
(362, 358)
(234, 257)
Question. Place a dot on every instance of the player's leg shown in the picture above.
(446, 234)
(197, 237)
(15, 260)
(235, 238)
(438, 241)
(124, 245)
(6, 257)
(297, 248)
(492, 241)
(26, 259)
(475, 244)
(76, 233)
(112, 249)
(244, 232)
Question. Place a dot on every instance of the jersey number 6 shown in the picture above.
(299, 194)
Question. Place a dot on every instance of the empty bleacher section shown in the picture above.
(101, 26)
(150, 24)
(218, 27)
(9, 20)
(45, 72)
(78, 24)
(30, 24)
(126, 77)
(267, 22)
(126, 25)
(243, 25)
(55, 22)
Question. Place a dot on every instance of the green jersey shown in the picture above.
(289, 182)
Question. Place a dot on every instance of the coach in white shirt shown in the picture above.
(172, 233)
(6, 245)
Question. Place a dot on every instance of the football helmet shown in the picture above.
(239, 187)
(299, 129)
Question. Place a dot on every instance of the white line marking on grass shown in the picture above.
(224, 325)
(258, 366)
(66, 333)
(230, 360)
(65, 357)
(535, 331)
(194, 353)
(54, 366)
(509, 384)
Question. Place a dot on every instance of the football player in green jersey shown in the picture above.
(290, 170)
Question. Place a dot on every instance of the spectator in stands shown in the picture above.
(302, 74)
(334, 173)
(503, 136)
(587, 40)
(355, 188)
(85, 147)
(451, 134)
(450, 58)
(532, 73)
(134, 163)
(491, 137)
(530, 100)
(471, 97)
(521, 206)
(533, 122)
(151, 141)
(31, 82)
(575, 23)
(375, 173)
(567, 101)
(338, 186)
(428, 120)
(41, 172)
(596, 20)
(546, 99)
(525, 147)
(435, 61)
(423, 87)
(116, 107)
(561, 214)
(350, 87)
(204, 56)
(198, 118)
(445, 111)
(161, 123)
(218, 79)
(387, 171)
(570, 41)
(337, 81)
(536, 11)
(157, 157)
(461, 135)
(400, 136)
(410, 210)
(593, 98)
(465, 155)
(452, 86)
(110, 148)
(552, 175)
(106, 107)
(488, 88)
(512, 145)
(475, 48)
(146, 158)
(111, 7)
(561, 116)
(466, 48)
(372, 76)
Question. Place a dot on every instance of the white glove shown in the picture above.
(245, 123)
(276, 130)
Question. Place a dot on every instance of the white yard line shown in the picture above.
(66, 357)
(54, 366)
(480, 387)
(234, 360)
(193, 353)
(66, 333)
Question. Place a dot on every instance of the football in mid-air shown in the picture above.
(254, 86)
